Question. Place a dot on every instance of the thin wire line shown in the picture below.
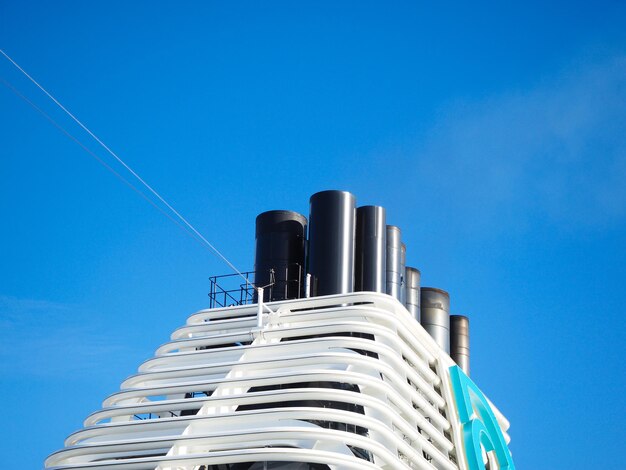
(102, 162)
(193, 229)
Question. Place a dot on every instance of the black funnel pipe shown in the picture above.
(370, 263)
(331, 242)
(279, 257)
(459, 341)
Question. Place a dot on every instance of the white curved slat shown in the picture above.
(322, 377)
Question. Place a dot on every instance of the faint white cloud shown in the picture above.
(13, 310)
(557, 151)
(44, 338)
(9, 304)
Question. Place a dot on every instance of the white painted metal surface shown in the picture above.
(348, 381)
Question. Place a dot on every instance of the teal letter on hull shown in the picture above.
(478, 423)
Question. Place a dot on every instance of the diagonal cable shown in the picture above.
(99, 160)
(114, 155)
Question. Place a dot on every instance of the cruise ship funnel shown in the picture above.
(370, 266)
(331, 242)
(412, 281)
(279, 256)
(394, 262)
(459, 341)
(435, 315)
(403, 274)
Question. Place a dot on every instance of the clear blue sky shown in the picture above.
(494, 134)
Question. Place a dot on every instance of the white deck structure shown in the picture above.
(341, 382)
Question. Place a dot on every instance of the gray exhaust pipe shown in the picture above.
(394, 262)
(459, 341)
(435, 310)
(412, 281)
(403, 274)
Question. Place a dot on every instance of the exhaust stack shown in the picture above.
(403, 274)
(435, 310)
(279, 255)
(394, 262)
(370, 265)
(348, 250)
(331, 242)
(412, 280)
(459, 342)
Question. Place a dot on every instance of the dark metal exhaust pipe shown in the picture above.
(370, 264)
(279, 255)
(459, 341)
(435, 318)
(331, 242)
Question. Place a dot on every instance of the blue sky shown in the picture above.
(494, 134)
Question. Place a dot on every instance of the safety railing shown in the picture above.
(285, 282)
(227, 290)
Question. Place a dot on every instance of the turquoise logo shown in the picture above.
(478, 423)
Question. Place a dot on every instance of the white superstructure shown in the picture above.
(347, 381)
